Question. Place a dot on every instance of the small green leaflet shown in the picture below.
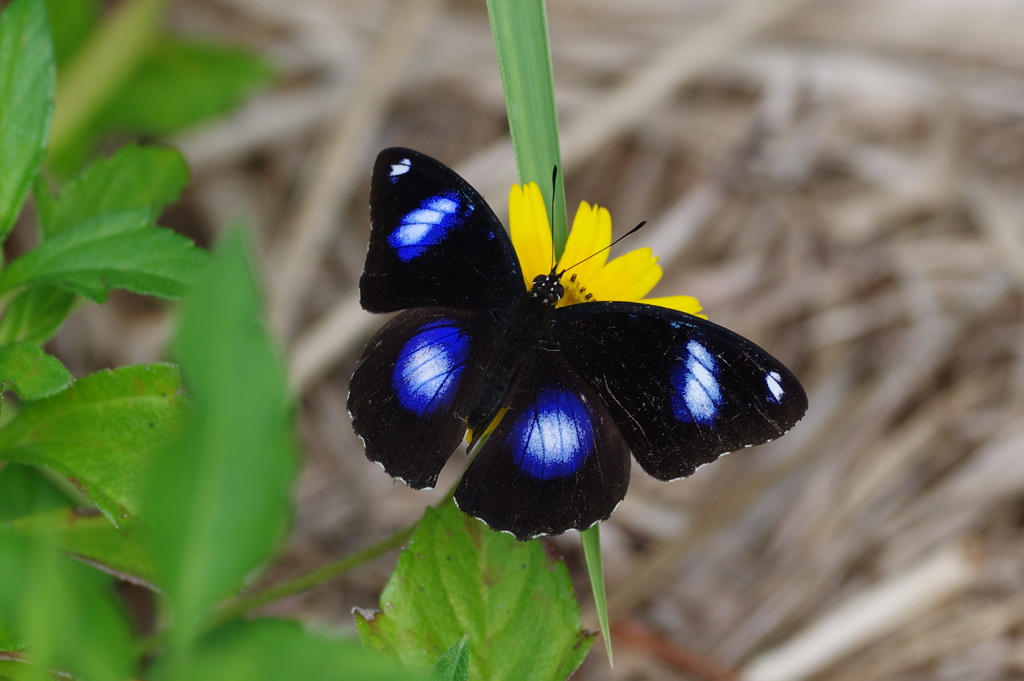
(30, 372)
(132, 177)
(93, 538)
(116, 250)
(98, 432)
(457, 578)
(36, 314)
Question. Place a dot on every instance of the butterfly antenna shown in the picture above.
(554, 188)
(632, 231)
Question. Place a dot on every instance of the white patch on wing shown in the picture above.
(400, 168)
(774, 382)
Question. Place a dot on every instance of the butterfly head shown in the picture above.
(548, 288)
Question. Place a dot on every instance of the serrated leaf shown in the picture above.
(133, 177)
(66, 609)
(99, 432)
(31, 373)
(181, 83)
(458, 577)
(36, 314)
(25, 491)
(218, 497)
(116, 250)
(272, 650)
(454, 664)
(27, 77)
(94, 539)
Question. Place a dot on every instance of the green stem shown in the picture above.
(520, 29)
(591, 539)
(297, 585)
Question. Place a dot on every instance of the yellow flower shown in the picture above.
(629, 277)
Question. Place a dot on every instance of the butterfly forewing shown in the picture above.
(412, 389)
(433, 240)
(554, 462)
(682, 390)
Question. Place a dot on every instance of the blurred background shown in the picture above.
(838, 180)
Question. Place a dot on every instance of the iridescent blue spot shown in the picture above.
(554, 437)
(774, 382)
(429, 367)
(427, 225)
(697, 395)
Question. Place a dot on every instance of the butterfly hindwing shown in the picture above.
(434, 241)
(554, 462)
(412, 389)
(682, 390)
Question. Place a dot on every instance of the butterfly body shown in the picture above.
(578, 387)
(528, 325)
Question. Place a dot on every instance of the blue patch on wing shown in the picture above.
(427, 225)
(697, 395)
(429, 367)
(554, 437)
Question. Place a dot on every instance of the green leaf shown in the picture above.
(10, 640)
(119, 552)
(98, 433)
(24, 491)
(458, 577)
(17, 671)
(67, 610)
(454, 664)
(117, 250)
(36, 314)
(30, 372)
(26, 102)
(272, 650)
(591, 540)
(218, 497)
(70, 23)
(133, 177)
(182, 83)
(520, 30)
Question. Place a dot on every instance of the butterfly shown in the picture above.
(577, 388)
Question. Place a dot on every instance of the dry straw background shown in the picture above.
(839, 180)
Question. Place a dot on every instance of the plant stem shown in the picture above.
(520, 29)
(297, 585)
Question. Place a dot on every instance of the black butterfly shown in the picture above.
(582, 384)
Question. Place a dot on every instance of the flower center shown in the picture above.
(575, 291)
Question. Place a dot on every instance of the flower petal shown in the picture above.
(530, 231)
(687, 304)
(591, 232)
(628, 277)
